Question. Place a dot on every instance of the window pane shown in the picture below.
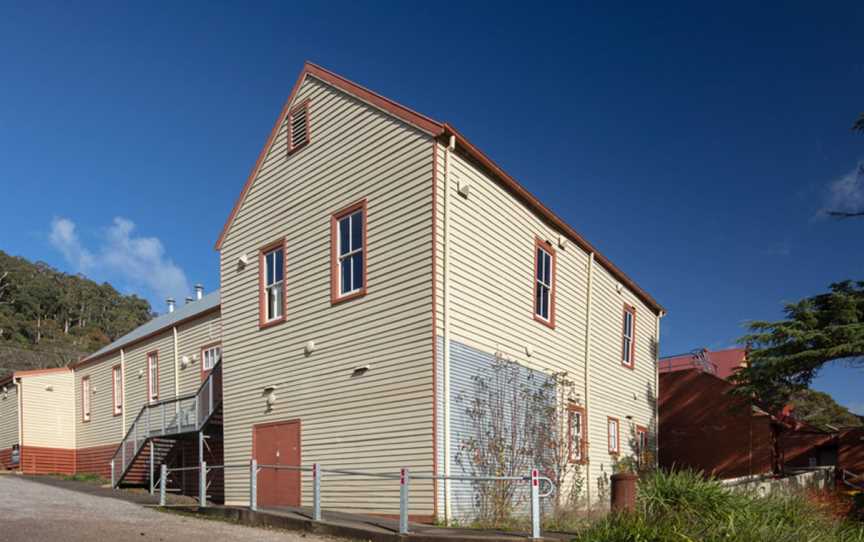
(357, 230)
(268, 263)
(279, 301)
(547, 269)
(357, 270)
(345, 276)
(279, 256)
(539, 264)
(271, 303)
(344, 237)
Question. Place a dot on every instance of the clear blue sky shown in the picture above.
(694, 144)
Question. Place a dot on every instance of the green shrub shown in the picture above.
(684, 506)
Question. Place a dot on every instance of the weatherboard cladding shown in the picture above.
(104, 427)
(48, 410)
(380, 421)
(8, 415)
(191, 337)
(491, 268)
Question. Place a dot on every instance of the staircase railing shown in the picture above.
(184, 414)
(855, 481)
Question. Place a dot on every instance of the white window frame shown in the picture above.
(117, 381)
(274, 293)
(576, 440)
(340, 258)
(543, 258)
(152, 376)
(85, 399)
(211, 353)
(628, 336)
(613, 435)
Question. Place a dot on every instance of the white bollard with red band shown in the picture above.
(316, 492)
(535, 504)
(404, 481)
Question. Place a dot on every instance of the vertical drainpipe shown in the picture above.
(660, 315)
(123, 392)
(446, 313)
(18, 386)
(588, 379)
(176, 365)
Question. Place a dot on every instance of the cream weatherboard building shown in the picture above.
(73, 420)
(374, 262)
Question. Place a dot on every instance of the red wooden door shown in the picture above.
(277, 444)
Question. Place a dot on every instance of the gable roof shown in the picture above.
(438, 130)
(183, 313)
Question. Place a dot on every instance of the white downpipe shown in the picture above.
(123, 392)
(657, 388)
(176, 364)
(587, 474)
(18, 385)
(446, 313)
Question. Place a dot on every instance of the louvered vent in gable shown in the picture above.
(298, 127)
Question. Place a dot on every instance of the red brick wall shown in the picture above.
(37, 460)
(95, 460)
(6, 459)
(703, 427)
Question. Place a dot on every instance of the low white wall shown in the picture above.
(814, 478)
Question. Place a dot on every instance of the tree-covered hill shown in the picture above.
(49, 318)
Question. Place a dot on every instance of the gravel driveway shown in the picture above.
(31, 512)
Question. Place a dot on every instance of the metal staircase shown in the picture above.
(158, 421)
(849, 478)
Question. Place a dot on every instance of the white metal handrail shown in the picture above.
(184, 414)
(534, 479)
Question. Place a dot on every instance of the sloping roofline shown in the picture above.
(437, 130)
(183, 314)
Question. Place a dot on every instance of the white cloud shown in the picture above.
(846, 194)
(137, 261)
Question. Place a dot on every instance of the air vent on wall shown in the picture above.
(298, 127)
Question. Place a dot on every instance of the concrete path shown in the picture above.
(32, 511)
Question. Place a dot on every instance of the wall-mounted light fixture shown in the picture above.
(309, 348)
(184, 362)
(242, 261)
(49, 387)
(270, 397)
(529, 350)
(464, 188)
(140, 373)
(562, 242)
(360, 371)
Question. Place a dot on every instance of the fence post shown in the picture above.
(112, 473)
(316, 492)
(202, 485)
(163, 477)
(535, 504)
(404, 481)
(253, 485)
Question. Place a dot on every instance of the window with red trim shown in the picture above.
(272, 283)
(153, 376)
(614, 435)
(628, 337)
(641, 443)
(298, 127)
(348, 266)
(544, 283)
(117, 389)
(576, 433)
(85, 399)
